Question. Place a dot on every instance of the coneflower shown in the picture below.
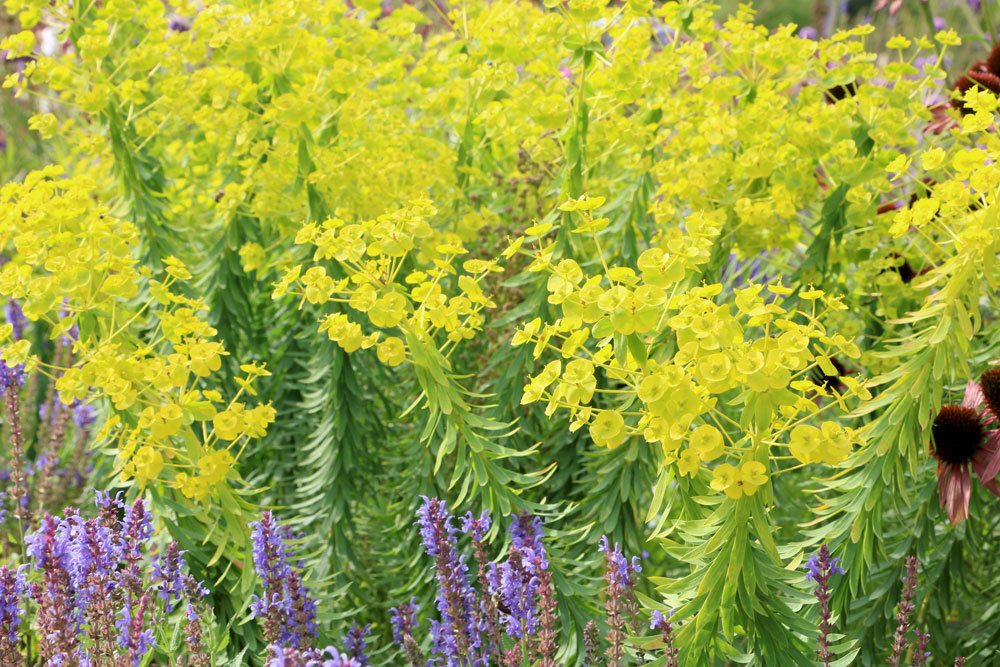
(984, 74)
(963, 441)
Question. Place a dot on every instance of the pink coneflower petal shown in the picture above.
(987, 460)
(964, 495)
(973, 395)
(954, 489)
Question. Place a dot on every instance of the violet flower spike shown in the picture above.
(616, 573)
(58, 618)
(12, 591)
(455, 636)
(168, 577)
(820, 569)
(404, 623)
(905, 608)
(16, 319)
(591, 645)
(287, 609)
(665, 627)
(488, 616)
(355, 644)
(920, 652)
(133, 636)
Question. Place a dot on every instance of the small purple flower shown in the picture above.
(476, 528)
(519, 593)
(619, 575)
(168, 577)
(403, 620)
(179, 24)
(665, 627)
(83, 414)
(808, 32)
(816, 568)
(132, 635)
(404, 624)
(137, 528)
(526, 531)
(355, 645)
(11, 377)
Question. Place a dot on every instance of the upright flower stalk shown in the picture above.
(619, 575)
(286, 609)
(903, 612)
(477, 528)
(820, 569)
(591, 644)
(355, 644)
(12, 590)
(404, 623)
(11, 379)
(455, 635)
(663, 625)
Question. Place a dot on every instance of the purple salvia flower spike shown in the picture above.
(286, 607)
(903, 611)
(665, 627)
(456, 637)
(820, 569)
(355, 644)
(12, 591)
(404, 623)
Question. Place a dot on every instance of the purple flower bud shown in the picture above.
(477, 528)
(179, 24)
(11, 377)
(355, 645)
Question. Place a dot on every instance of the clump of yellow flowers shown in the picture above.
(140, 346)
(381, 280)
(669, 352)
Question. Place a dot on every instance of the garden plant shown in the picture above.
(501, 333)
